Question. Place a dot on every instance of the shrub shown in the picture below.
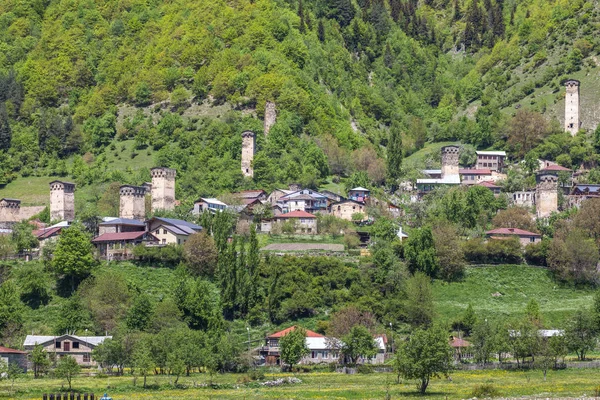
(484, 390)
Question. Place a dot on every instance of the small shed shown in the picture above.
(13, 356)
(460, 347)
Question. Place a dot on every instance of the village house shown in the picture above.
(345, 209)
(319, 346)
(523, 199)
(303, 200)
(474, 176)
(276, 194)
(78, 347)
(493, 187)
(331, 196)
(119, 246)
(525, 237)
(47, 235)
(208, 204)
(447, 175)
(582, 192)
(13, 356)
(304, 223)
(493, 160)
(171, 231)
(359, 194)
(249, 196)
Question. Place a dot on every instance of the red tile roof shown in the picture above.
(114, 237)
(46, 233)
(511, 231)
(488, 184)
(555, 167)
(466, 171)
(296, 214)
(458, 342)
(284, 332)
(6, 350)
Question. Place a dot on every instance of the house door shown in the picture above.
(67, 346)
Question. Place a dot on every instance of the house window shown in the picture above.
(86, 358)
(178, 241)
(164, 241)
(325, 354)
(313, 354)
(57, 345)
(75, 345)
(164, 231)
(157, 231)
(532, 239)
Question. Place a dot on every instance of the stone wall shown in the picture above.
(546, 195)
(248, 149)
(572, 123)
(132, 202)
(62, 201)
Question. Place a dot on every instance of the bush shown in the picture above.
(536, 253)
(256, 374)
(484, 390)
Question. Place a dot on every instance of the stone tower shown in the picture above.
(572, 123)
(163, 188)
(450, 160)
(248, 149)
(62, 201)
(132, 202)
(270, 116)
(546, 195)
(10, 209)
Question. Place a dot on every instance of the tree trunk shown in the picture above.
(144, 381)
(424, 384)
(545, 371)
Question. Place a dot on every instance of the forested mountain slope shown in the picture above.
(342, 74)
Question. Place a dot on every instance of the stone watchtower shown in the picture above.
(546, 195)
(10, 209)
(572, 123)
(132, 202)
(270, 116)
(450, 160)
(62, 201)
(163, 188)
(248, 149)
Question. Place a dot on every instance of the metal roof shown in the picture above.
(32, 340)
(491, 153)
(123, 221)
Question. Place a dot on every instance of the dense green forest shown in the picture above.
(183, 79)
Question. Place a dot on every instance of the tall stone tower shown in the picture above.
(450, 160)
(248, 149)
(572, 123)
(546, 195)
(10, 209)
(62, 201)
(270, 116)
(132, 202)
(163, 188)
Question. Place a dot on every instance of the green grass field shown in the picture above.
(517, 286)
(324, 385)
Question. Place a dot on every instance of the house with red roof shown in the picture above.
(472, 176)
(322, 349)
(301, 222)
(115, 246)
(46, 235)
(493, 187)
(461, 348)
(13, 356)
(525, 237)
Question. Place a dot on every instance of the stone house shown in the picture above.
(118, 225)
(78, 347)
(47, 235)
(493, 187)
(525, 237)
(277, 194)
(171, 231)
(474, 176)
(493, 160)
(345, 209)
(523, 199)
(305, 223)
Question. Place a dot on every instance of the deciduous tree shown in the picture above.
(293, 347)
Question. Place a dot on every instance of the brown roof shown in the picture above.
(296, 214)
(467, 171)
(114, 237)
(511, 231)
(6, 350)
(555, 167)
(488, 184)
(47, 232)
(249, 194)
(458, 342)
(284, 332)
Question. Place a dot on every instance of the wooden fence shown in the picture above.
(69, 396)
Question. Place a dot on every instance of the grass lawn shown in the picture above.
(31, 190)
(324, 385)
(517, 286)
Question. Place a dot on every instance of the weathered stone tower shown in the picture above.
(546, 195)
(450, 160)
(10, 209)
(62, 201)
(132, 202)
(163, 188)
(572, 123)
(248, 149)
(270, 116)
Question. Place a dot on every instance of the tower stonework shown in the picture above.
(270, 116)
(546, 195)
(62, 201)
(132, 202)
(450, 160)
(572, 123)
(10, 210)
(163, 188)
(248, 149)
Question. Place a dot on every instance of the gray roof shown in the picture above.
(360, 189)
(491, 153)
(180, 226)
(123, 221)
(32, 340)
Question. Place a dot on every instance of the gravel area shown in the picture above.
(303, 247)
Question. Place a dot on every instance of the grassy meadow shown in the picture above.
(321, 385)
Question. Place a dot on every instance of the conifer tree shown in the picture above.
(394, 154)
(301, 15)
(5, 131)
(321, 31)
